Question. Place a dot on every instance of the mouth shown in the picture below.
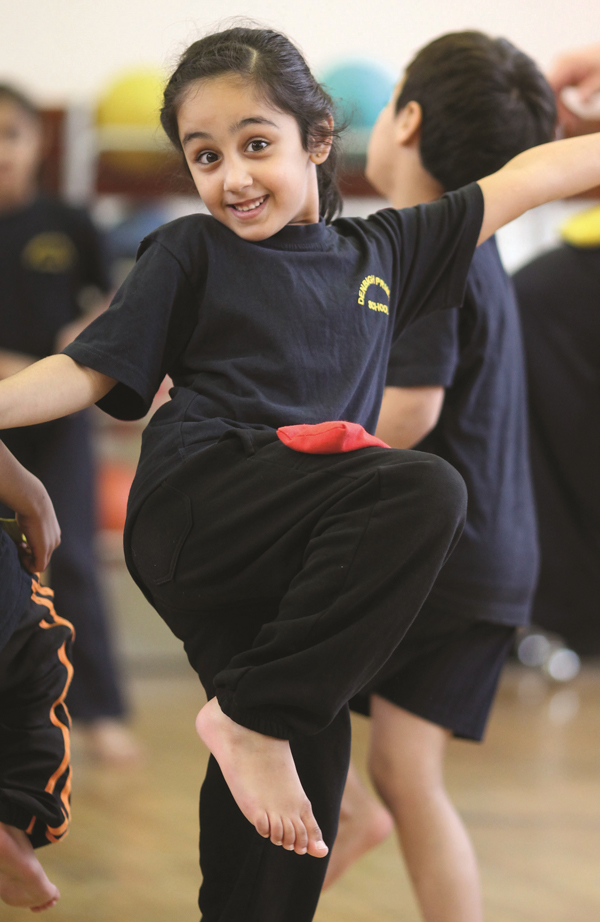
(251, 208)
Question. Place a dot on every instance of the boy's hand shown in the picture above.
(34, 512)
(40, 527)
(581, 69)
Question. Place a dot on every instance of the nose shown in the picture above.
(236, 176)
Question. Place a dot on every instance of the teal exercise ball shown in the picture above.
(360, 90)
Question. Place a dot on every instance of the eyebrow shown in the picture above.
(243, 123)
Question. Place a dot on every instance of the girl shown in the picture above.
(49, 254)
(290, 575)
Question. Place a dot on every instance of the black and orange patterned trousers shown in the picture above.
(35, 770)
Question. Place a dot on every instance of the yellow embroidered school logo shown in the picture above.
(362, 294)
(50, 252)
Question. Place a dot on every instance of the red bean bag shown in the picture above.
(328, 438)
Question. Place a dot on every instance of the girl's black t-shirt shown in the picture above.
(293, 329)
(49, 252)
(476, 354)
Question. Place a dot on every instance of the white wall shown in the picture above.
(66, 50)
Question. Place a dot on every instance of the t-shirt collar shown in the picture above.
(299, 237)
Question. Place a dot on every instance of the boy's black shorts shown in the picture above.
(35, 770)
(446, 670)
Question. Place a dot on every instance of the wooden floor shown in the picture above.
(530, 796)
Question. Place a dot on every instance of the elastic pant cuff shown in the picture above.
(266, 723)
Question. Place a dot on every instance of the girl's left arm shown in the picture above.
(53, 387)
(539, 175)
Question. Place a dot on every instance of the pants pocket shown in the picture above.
(161, 527)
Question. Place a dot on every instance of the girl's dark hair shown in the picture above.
(279, 71)
(483, 102)
(10, 93)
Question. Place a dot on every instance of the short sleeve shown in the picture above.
(435, 244)
(138, 339)
(427, 353)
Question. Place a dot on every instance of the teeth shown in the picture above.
(250, 207)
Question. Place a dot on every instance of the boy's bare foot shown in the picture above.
(364, 823)
(111, 742)
(262, 777)
(22, 879)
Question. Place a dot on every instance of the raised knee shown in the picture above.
(444, 481)
(433, 483)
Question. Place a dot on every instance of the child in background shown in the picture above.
(558, 295)
(35, 672)
(50, 254)
(455, 387)
(290, 575)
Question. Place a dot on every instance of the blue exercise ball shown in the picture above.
(360, 90)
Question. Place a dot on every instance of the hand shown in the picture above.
(41, 529)
(581, 69)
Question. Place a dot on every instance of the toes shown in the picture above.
(276, 830)
(301, 843)
(289, 834)
(262, 825)
(316, 845)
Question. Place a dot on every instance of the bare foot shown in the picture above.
(364, 823)
(261, 774)
(111, 742)
(22, 879)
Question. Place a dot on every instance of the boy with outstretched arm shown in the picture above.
(455, 388)
(35, 672)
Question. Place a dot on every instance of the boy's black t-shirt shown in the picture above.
(15, 588)
(293, 329)
(477, 355)
(49, 252)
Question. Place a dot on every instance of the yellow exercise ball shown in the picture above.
(130, 137)
(132, 99)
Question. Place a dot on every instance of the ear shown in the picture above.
(408, 124)
(322, 146)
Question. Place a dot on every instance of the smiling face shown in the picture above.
(246, 158)
(20, 154)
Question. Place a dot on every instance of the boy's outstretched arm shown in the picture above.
(35, 514)
(53, 387)
(538, 175)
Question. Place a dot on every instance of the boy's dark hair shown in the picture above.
(9, 93)
(279, 71)
(483, 102)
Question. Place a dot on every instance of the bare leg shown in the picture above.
(261, 775)
(22, 879)
(406, 764)
(364, 823)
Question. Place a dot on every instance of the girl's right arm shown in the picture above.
(53, 387)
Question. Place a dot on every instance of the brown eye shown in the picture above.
(207, 157)
(257, 145)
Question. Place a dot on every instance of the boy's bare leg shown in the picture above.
(261, 775)
(406, 764)
(364, 823)
(22, 878)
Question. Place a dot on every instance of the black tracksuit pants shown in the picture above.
(35, 768)
(290, 578)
